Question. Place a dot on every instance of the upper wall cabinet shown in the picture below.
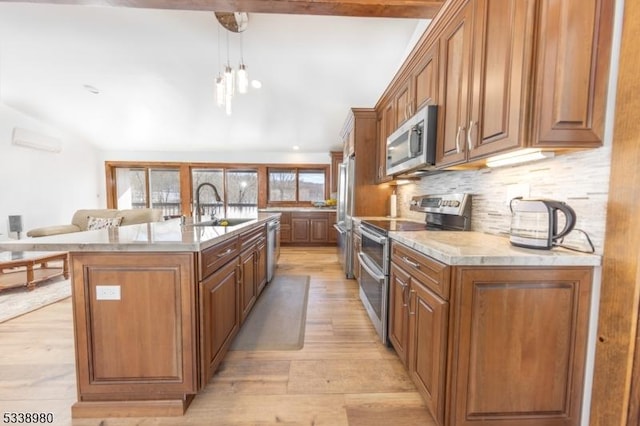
(486, 51)
(572, 72)
(508, 74)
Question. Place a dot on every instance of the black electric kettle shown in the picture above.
(534, 223)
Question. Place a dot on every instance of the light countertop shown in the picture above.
(165, 236)
(480, 249)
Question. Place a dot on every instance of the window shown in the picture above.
(282, 185)
(201, 179)
(142, 187)
(238, 190)
(242, 192)
(297, 185)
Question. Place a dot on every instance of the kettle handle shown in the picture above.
(569, 214)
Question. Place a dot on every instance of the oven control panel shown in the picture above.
(452, 204)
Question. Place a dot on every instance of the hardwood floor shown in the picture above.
(342, 376)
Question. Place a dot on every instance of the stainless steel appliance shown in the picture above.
(413, 144)
(450, 212)
(534, 223)
(273, 248)
(346, 176)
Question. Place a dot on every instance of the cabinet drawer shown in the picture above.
(433, 274)
(214, 257)
(252, 237)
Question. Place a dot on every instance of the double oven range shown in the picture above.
(450, 212)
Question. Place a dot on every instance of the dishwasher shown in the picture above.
(273, 248)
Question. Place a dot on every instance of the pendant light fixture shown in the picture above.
(225, 83)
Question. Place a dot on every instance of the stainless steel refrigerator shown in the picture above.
(346, 177)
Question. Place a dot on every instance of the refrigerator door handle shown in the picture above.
(340, 230)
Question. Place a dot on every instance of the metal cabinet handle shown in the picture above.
(406, 260)
(404, 286)
(226, 252)
(410, 293)
(469, 142)
(460, 130)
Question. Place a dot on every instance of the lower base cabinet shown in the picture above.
(507, 347)
(220, 316)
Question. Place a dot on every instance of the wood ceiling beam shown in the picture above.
(425, 9)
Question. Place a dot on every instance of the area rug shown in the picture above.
(19, 301)
(278, 318)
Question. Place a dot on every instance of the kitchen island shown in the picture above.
(155, 308)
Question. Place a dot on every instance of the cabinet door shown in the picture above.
(455, 43)
(336, 160)
(144, 343)
(219, 317)
(399, 312)
(503, 42)
(428, 346)
(385, 126)
(573, 49)
(425, 78)
(404, 107)
(522, 333)
(247, 282)
(319, 230)
(299, 230)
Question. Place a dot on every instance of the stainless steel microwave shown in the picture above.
(413, 144)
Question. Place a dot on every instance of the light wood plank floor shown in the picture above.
(342, 376)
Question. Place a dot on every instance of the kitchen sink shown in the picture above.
(224, 221)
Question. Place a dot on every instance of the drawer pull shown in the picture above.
(406, 260)
(226, 252)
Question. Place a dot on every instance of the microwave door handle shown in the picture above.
(365, 263)
(415, 141)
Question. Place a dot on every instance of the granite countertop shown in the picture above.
(480, 249)
(166, 236)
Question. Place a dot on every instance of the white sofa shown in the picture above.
(80, 220)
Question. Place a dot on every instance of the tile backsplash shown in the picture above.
(580, 179)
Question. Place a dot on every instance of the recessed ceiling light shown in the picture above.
(91, 89)
(256, 84)
(296, 147)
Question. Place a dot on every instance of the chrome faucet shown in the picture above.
(216, 194)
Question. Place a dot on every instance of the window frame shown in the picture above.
(296, 169)
(186, 190)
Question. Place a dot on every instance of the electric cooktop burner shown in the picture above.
(395, 225)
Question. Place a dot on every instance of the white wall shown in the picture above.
(44, 188)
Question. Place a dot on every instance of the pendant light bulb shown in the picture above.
(228, 81)
(243, 79)
(220, 95)
(227, 104)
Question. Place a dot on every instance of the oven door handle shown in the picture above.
(370, 235)
(366, 264)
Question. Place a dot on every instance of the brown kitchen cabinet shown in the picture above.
(285, 227)
(142, 343)
(219, 316)
(369, 198)
(572, 72)
(485, 67)
(252, 269)
(469, 335)
(313, 228)
(336, 160)
(385, 124)
(418, 315)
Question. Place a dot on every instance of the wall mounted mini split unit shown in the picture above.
(34, 140)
